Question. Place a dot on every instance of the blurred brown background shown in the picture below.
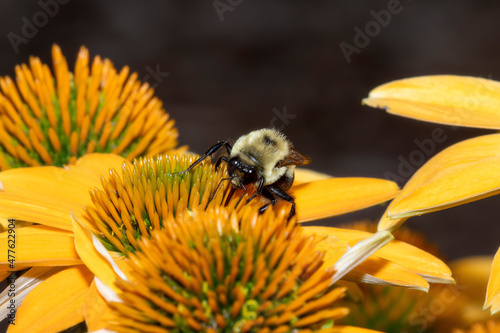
(226, 67)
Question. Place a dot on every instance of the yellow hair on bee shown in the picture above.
(264, 148)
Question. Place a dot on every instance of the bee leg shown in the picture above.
(219, 160)
(217, 189)
(276, 191)
(208, 153)
(259, 190)
(267, 194)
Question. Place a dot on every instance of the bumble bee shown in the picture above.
(263, 158)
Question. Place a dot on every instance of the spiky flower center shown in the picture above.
(212, 271)
(54, 118)
(148, 192)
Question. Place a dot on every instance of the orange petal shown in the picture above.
(46, 195)
(324, 198)
(416, 261)
(388, 224)
(6, 268)
(3, 276)
(93, 254)
(444, 99)
(381, 271)
(96, 310)
(348, 329)
(23, 286)
(374, 270)
(306, 175)
(412, 259)
(464, 172)
(359, 252)
(40, 245)
(4, 224)
(90, 168)
(493, 291)
(56, 303)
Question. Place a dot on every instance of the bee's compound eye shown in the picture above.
(232, 166)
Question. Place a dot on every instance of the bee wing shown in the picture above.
(294, 158)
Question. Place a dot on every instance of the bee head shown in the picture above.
(241, 173)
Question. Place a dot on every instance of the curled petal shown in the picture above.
(465, 172)
(415, 264)
(388, 224)
(360, 252)
(444, 99)
(383, 272)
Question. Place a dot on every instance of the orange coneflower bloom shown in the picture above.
(123, 207)
(216, 271)
(464, 172)
(52, 118)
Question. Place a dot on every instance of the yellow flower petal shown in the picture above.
(41, 246)
(91, 256)
(381, 271)
(93, 166)
(7, 269)
(493, 291)
(417, 261)
(46, 195)
(23, 286)
(359, 252)
(306, 175)
(3, 276)
(443, 99)
(465, 172)
(324, 198)
(348, 329)
(96, 310)
(413, 259)
(388, 224)
(373, 270)
(56, 303)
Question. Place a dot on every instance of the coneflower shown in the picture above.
(52, 118)
(212, 271)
